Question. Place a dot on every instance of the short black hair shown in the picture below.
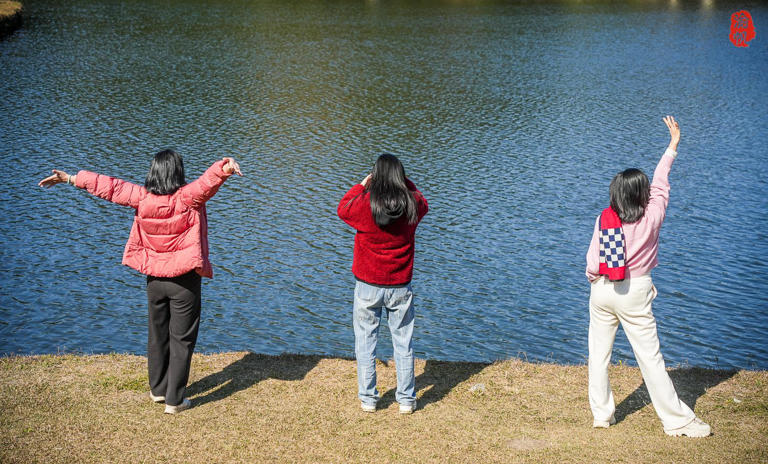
(166, 173)
(630, 192)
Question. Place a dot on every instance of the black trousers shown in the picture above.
(174, 320)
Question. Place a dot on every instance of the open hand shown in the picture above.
(365, 181)
(674, 131)
(58, 177)
(231, 166)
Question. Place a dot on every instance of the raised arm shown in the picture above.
(109, 188)
(657, 204)
(421, 201)
(351, 208)
(201, 190)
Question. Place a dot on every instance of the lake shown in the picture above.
(511, 118)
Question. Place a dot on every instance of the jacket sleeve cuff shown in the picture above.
(217, 169)
(671, 153)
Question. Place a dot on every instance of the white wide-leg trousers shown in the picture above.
(629, 302)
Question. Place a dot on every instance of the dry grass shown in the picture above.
(291, 408)
(10, 17)
(8, 9)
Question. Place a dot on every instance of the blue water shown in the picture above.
(511, 118)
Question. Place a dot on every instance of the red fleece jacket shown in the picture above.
(381, 256)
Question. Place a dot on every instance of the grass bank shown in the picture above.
(10, 17)
(292, 408)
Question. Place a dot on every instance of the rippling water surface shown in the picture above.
(510, 118)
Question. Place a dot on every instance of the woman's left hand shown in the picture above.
(58, 177)
(365, 181)
(231, 166)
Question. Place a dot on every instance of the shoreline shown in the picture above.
(250, 407)
(10, 17)
(521, 356)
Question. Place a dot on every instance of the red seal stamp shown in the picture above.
(742, 28)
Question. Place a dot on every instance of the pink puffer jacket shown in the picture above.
(169, 236)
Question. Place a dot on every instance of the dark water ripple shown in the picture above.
(511, 118)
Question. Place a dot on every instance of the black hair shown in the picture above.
(166, 173)
(390, 197)
(630, 192)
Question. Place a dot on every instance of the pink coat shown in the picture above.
(641, 237)
(169, 236)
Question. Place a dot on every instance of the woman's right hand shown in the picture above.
(231, 166)
(674, 131)
(58, 177)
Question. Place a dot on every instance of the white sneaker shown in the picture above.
(407, 408)
(600, 424)
(156, 399)
(185, 404)
(697, 428)
(367, 407)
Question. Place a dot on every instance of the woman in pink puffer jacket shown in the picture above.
(168, 243)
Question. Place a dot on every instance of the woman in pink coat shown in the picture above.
(623, 252)
(168, 243)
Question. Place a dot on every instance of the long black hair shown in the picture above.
(166, 173)
(390, 197)
(630, 192)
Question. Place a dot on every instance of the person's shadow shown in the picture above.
(248, 371)
(691, 383)
(438, 379)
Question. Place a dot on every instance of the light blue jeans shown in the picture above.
(398, 303)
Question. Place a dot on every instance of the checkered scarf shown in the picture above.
(613, 251)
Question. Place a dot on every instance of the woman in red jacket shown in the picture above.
(168, 243)
(385, 209)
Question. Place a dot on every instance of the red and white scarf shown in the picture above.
(613, 249)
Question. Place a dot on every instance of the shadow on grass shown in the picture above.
(690, 383)
(248, 371)
(437, 380)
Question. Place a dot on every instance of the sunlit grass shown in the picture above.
(294, 408)
(8, 9)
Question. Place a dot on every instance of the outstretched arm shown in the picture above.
(201, 190)
(109, 188)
